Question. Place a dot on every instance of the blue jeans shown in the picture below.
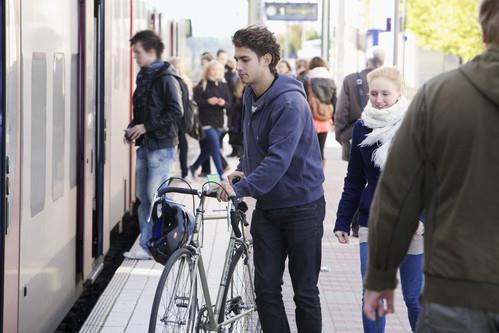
(152, 168)
(411, 280)
(211, 147)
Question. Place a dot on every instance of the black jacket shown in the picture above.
(160, 110)
(212, 115)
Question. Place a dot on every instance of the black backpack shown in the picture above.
(188, 120)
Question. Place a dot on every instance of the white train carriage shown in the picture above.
(66, 79)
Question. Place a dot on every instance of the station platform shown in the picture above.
(125, 305)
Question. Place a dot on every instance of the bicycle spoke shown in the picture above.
(240, 298)
(174, 305)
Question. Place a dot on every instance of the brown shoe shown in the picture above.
(202, 174)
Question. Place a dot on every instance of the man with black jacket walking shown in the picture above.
(280, 167)
(157, 108)
(445, 159)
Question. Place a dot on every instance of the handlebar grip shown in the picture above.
(182, 190)
(235, 224)
(235, 180)
(210, 195)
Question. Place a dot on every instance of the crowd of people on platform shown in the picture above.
(421, 182)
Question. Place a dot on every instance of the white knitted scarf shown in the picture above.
(384, 123)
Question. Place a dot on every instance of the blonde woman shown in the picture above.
(212, 96)
(371, 140)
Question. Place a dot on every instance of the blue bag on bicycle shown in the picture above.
(171, 228)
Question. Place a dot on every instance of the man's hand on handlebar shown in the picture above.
(227, 194)
(235, 174)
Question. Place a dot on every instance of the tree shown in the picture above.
(447, 26)
(295, 32)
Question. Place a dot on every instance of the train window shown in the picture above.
(73, 130)
(58, 127)
(38, 131)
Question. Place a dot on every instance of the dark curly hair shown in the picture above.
(261, 41)
(149, 40)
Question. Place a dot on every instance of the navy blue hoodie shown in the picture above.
(281, 160)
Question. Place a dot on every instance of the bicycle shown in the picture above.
(176, 306)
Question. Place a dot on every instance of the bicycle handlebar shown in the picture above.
(235, 201)
(184, 190)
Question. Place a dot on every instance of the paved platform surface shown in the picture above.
(126, 303)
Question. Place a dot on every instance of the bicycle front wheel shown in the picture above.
(239, 295)
(175, 304)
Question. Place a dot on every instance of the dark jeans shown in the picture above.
(183, 148)
(294, 232)
(322, 142)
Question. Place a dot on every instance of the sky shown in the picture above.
(210, 18)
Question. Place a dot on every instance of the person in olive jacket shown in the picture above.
(445, 159)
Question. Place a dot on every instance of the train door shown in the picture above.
(10, 122)
(48, 241)
(3, 176)
(100, 130)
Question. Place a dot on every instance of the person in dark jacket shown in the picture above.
(455, 178)
(212, 96)
(352, 100)
(157, 107)
(371, 140)
(281, 168)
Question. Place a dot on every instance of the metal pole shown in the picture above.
(340, 42)
(255, 12)
(396, 29)
(325, 30)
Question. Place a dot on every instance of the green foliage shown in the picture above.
(447, 26)
(295, 41)
(311, 34)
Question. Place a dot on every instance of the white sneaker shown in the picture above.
(138, 254)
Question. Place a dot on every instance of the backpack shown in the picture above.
(188, 121)
(321, 110)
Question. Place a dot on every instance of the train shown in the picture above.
(66, 79)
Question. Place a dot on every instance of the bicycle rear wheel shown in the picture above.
(175, 304)
(239, 295)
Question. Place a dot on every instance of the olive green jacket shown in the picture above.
(444, 160)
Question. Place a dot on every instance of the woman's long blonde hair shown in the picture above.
(219, 76)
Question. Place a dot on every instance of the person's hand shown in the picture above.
(213, 100)
(125, 138)
(135, 132)
(420, 230)
(224, 191)
(380, 301)
(235, 174)
(221, 102)
(342, 236)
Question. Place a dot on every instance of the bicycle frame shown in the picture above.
(195, 246)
